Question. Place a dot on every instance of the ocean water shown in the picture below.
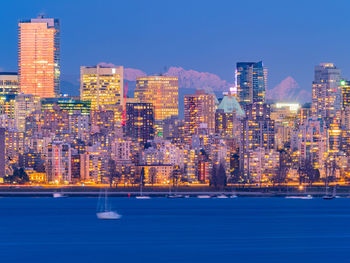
(175, 230)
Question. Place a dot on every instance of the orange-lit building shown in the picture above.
(199, 110)
(102, 85)
(39, 56)
(162, 92)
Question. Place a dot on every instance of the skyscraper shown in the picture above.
(345, 89)
(251, 81)
(39, 56)
(162, 92)
(102, 85)
(199, 109)
(58, 162)
(140, 121)
(257, 131)
(326, 93)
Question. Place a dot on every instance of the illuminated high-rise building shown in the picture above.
(326, 93)
(9, 83)
(345, 88)
(199, 112)
(58, 162)
(69, 104)
(257, 131)
(54, 121)
(39, 56)
(310, 141)
(162, 92)
(140, 121)
(285, 116)
(7, 110)
(25, 104)
(102, 85)
(251, 81)
(345, 92)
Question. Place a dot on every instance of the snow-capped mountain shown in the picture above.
(197, 80)
(188, 79)
(131, 74)
(288, 90)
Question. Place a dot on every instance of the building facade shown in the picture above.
(162, 92)
(9, 83)
(102, 85)
(327, 93)
(251, 82)
(140, 121)
(257, 131)
(39, 56)
(199, 112)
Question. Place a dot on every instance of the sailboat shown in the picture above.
(58, 194)
(222, 196)
(332, 196)
(141, 196)
(104, 210)
(203, 196)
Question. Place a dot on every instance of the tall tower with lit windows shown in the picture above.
(251, 81)
(327, 93)
(39, 56)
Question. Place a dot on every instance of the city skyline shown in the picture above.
(193, 104)
(240, 137)
(220, 47)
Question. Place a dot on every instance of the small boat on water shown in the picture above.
(111, 215)
(233, 196)
(299, 197)
(143, 197)
(58, 194)
(203, 196)
(222, 196)
(104, 210)
(175, 196)
(328, 197)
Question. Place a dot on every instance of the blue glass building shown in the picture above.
(251, 79)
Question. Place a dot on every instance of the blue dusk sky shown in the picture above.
(211, 36)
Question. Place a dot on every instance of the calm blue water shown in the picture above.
(175, 230)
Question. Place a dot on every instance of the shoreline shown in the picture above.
(79, 191)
